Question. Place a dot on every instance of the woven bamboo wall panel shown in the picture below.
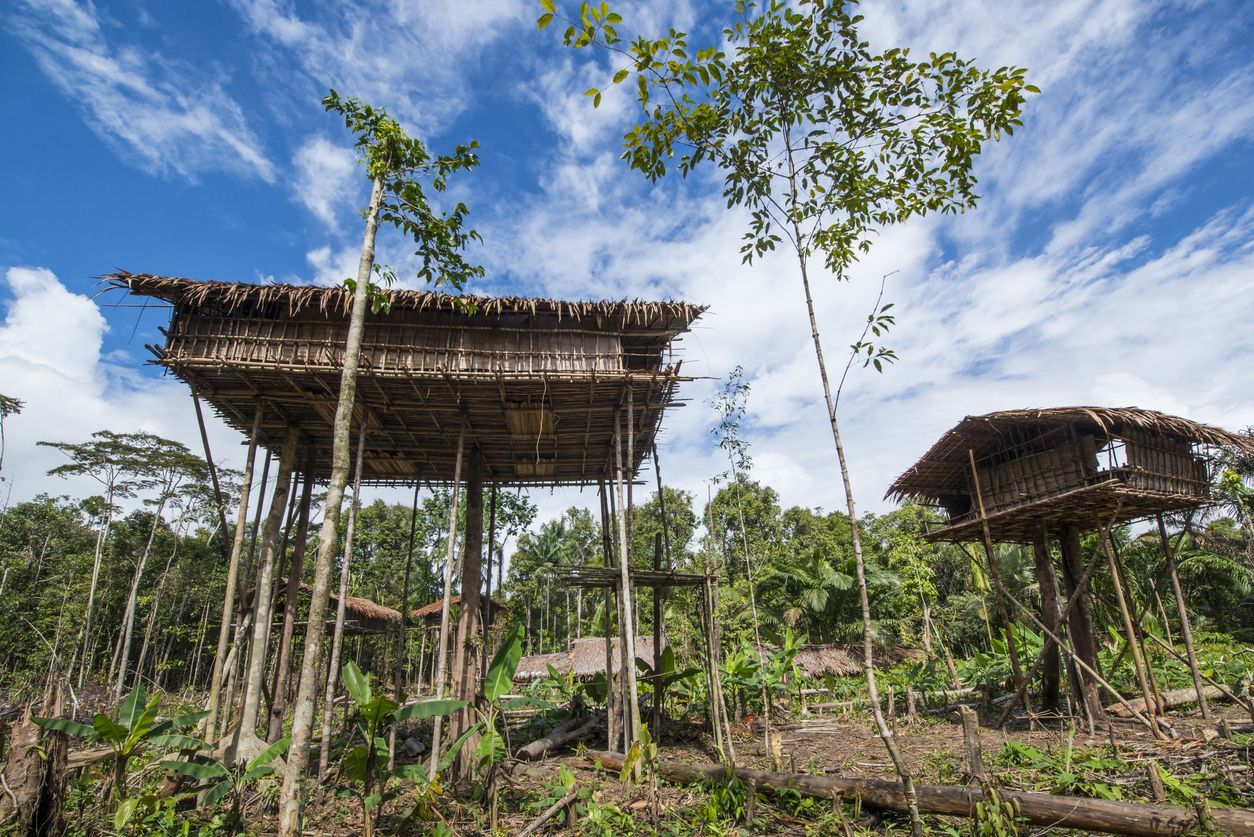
(303, 344)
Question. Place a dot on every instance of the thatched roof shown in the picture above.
(433, 610)
(535, 384)
(360, 615)
(843, 659)
(585, 658)
(292, 300)
(944, 472)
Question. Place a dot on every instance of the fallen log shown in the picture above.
(560, 804)
(1035, 808)
(566, 732)
(1175, 697)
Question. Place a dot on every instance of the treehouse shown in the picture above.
(453, 391)
(1024, 476)
(537, 384)
(1065, 466)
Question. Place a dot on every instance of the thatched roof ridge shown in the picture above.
(333, 300)
(584, 658)
(434, 608)
(355, 607)
(946, 460)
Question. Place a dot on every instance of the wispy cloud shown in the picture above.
(160, 114)
(407, 55)
(326, 178)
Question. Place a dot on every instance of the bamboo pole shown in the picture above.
(1186, 630)
(213, 473)
(232, 581)
(612, 725)
(337, 633)
(995, 573)
(1138, 663)
(627, 632)
(403, 635)
(1072, 601)
(283, 668)
(441, 660)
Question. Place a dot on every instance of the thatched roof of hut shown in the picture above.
(1064, 466)
(843, 659)
(431, 611)
(361, 616)
(535, 383)
(585, 658)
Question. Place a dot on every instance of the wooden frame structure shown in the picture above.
(450, 390)
(1020, 476)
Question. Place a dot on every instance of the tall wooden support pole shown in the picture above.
(995, 572)
(1134, 645)
(485, 615)
(282, 669)
(402, 636)
(450, 558)
(246, 743)
(468, 650)
(627, 629)
(337, 632)
(1080, 620)
(1047, 583)
(613, 728)
(232, 582)
(213, 473)
(659, 603)
(1186, 629)
(244, 627)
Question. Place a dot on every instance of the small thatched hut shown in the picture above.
(1063, 466)
(361, 616)
(429, 614)
(584, 658)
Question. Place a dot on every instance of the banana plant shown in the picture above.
(136, 727)
(664, 676)
(375, 714)
(220, 779)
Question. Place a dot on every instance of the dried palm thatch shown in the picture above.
(1064, 466)
(535, 384)
(584, 658)
(431, 612)
(842, 659)
(361, 616)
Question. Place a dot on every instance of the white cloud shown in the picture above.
(159, 114)
(409, 56)
(50, 358)
(326, 179)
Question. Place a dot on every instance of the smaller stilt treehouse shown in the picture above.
(1024, 476)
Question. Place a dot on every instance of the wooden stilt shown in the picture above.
(1047, 583)
(230, 596)
(1080, 624)
(466, 651)
(218, 501)
(402, 637)
(282, 669)
(1186, 630)
(337, 633)
(613, 725)
(995, 573)
(1133, 645)
(441, 659)
(627, 632)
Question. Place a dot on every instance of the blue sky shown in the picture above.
(1111, 260)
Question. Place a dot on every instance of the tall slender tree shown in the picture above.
(823, 140)
(401, 171)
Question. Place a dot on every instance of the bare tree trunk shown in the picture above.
(1047, 582)
(152, 611)
(290, 798)
(466, 659)
(132, 598)
(337, 633)
(232, 582)
(485, 617)
(1080, 620)
(627, 628)
(868, 642)
(101, 537)
(246, 745)
(403, 635)
(282, 669)
(441, 651)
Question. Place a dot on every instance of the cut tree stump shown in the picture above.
(1035, 808)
